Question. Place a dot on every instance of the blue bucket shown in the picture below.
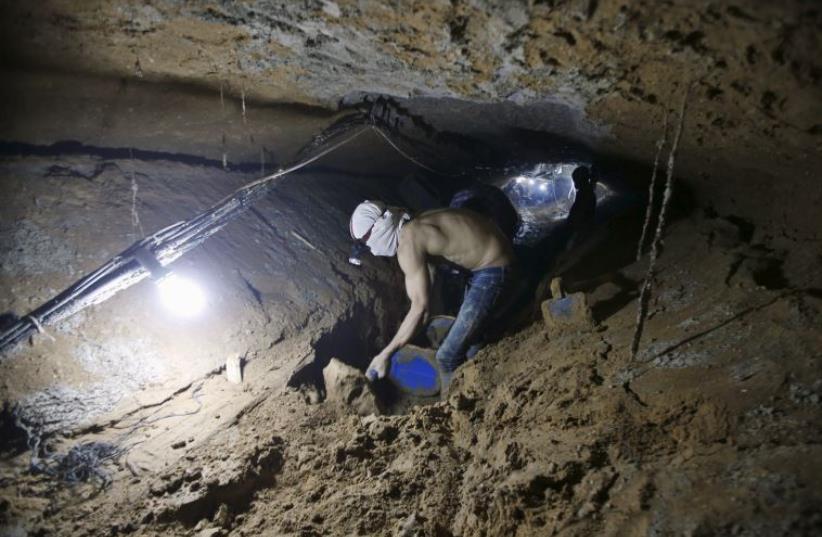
(414, 371)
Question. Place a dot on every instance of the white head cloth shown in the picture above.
(384, 222)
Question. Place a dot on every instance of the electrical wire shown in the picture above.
(168, 244)
(647, 286)
(409, 157)
(84, 462)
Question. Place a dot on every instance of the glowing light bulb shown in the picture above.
(181, 296)
(543, 187)
(531, 182)
(520, 179)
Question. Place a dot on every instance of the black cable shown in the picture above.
(168, 244)
(84, 462)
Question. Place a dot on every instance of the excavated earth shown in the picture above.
(713, 430)
(120, 118)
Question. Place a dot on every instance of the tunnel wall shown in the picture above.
(277, 279)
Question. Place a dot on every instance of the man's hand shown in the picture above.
(378, 367)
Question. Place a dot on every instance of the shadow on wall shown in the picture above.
(13, 439)
(353, 340)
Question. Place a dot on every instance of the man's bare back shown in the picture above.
(459, 236)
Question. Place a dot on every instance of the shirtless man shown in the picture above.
(460, 236)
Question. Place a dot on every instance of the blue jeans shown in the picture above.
(484, 291)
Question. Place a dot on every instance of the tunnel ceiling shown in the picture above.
(755, 67)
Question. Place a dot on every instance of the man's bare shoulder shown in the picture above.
(411, 232)
(436, 222)
(432, 216)
(411, 250)
(420, 229)
(446, 217)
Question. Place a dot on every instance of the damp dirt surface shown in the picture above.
(713, 430)
(119, 119)
(64, 215)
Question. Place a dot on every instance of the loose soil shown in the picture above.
(712, 430)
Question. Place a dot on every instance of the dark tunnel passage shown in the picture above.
(341, 311)
(189, 311)
(531, 198)
(534, 217)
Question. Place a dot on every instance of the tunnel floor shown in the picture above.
(711, 429)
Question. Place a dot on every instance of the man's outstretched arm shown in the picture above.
(412, 263)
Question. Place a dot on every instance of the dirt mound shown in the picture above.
(714, 430)
(347, 388)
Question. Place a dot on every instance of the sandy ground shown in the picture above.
(713, 430)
